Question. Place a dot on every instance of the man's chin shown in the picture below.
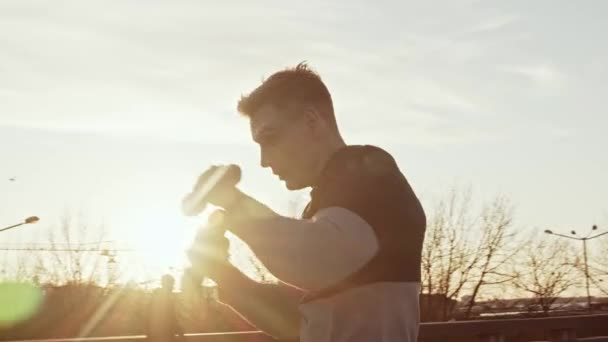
(291, 186)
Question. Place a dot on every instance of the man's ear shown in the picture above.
(312, 117)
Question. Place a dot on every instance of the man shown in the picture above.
(354, 257)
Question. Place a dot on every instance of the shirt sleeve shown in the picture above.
(314, 253)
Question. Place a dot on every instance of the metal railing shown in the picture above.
(554, 329)
(564, 328)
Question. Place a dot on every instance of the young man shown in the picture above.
(355, 254)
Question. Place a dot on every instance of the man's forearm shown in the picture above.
(270, 308)
(273, 238)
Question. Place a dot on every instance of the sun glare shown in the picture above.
(158, 243)
(160, 239)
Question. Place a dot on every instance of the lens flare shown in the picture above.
(19, 301)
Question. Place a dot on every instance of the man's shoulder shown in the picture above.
(359, 178)
(353, 175)
(361, 161)
(361, 152)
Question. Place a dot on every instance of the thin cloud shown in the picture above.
(495, 23)
(543, 75)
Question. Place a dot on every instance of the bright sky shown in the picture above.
(112, 108)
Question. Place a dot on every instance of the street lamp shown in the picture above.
(584, 240)
(29, 220)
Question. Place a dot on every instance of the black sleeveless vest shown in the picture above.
(367, 181)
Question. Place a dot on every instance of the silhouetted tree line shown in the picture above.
(476, 261)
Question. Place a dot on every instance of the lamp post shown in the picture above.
(29, 220)
(584, 240)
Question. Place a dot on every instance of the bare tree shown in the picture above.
(544, 269)
(447, 260)
(466, 250)
(448, 255)
(496, 247)
(598, 267)
(74, 256)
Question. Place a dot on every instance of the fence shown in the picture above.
(554, 329)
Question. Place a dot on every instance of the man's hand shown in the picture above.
(215, 186)
(272, 311)
(209, 252)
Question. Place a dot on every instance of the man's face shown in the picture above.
(288, 145)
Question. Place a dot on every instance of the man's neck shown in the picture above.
(333, 146)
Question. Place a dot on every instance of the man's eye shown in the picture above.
(269, 140)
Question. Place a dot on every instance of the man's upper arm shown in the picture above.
(351, 243)
(313, 253)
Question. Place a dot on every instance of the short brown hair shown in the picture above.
(299, 86)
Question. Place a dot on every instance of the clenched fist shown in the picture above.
(215, 186)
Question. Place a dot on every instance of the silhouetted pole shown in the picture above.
(584, 240)
(587, 275)
(29, 220)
